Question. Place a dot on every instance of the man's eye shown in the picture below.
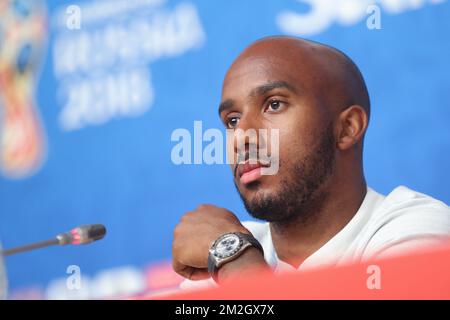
(274, 105)
(232, 122)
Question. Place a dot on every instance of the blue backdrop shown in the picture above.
(110, 162)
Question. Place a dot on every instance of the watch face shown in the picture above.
(227, 246)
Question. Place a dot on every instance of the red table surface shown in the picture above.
(424, 275)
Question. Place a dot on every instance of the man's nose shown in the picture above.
(246, 138)
(248, 121)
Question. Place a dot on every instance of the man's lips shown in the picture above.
(249, 172)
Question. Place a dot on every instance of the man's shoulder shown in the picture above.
(410, 206)
(406, 203)
(404, 197)
(407, 216)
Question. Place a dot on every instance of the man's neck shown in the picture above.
(296, 241)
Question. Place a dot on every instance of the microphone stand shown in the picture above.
(31, 246)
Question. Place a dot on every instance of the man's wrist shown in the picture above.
(248, 262)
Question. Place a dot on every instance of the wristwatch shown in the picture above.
(228, 247)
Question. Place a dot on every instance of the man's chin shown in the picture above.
(256, 192)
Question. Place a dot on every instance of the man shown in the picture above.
(318, 208)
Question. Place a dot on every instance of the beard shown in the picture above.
(301, 193)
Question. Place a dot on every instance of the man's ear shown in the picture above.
(353, 123)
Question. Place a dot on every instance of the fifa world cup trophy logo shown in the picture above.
(23, 36)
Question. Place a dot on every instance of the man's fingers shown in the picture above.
(199, 274)
(190, 273)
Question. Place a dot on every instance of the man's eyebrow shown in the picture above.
(227, 104)
(259, 91)
(265, 88)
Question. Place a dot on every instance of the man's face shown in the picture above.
(269, 93)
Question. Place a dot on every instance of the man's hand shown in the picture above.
(193, 237)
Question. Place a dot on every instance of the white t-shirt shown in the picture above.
(383, 226)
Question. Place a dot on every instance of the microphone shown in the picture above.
(83, 234)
